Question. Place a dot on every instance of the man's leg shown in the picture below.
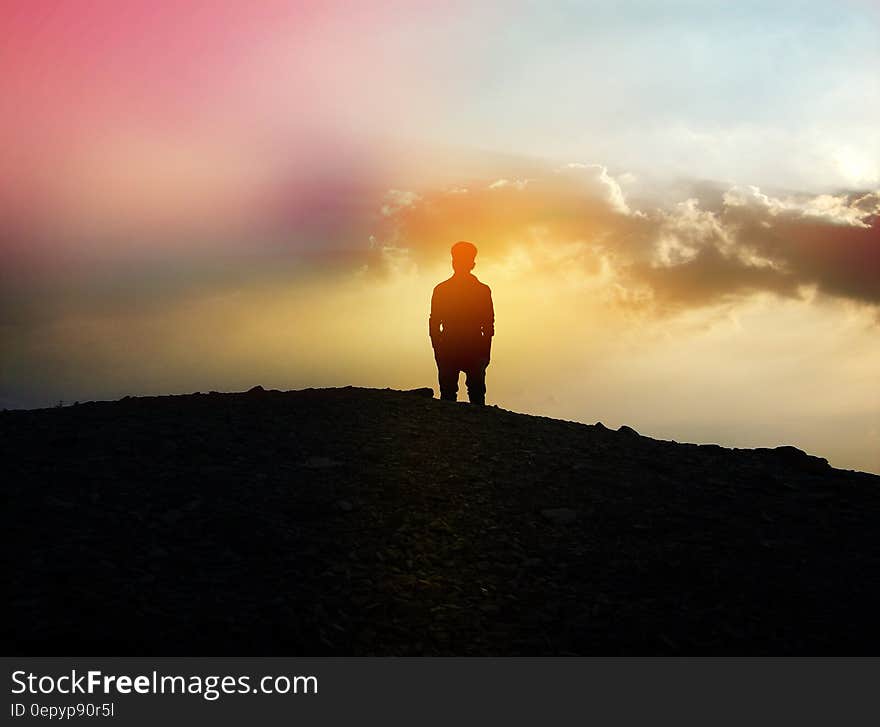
(476, 382)
(447, 374)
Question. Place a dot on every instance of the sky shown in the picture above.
(676, 205)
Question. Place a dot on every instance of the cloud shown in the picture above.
(576, 203)
(709, 277)
(517, 183)
(831, 241)
(710, 248)
(702, 245)
(397, 199)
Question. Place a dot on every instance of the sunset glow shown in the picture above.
(679, 218)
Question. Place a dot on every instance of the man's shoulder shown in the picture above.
(481, 285)
(457, 284)
(443, 285)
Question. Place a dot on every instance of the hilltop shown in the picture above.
(371, 522)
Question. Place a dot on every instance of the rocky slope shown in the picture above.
(366, 522)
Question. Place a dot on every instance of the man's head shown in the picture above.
(463, 254)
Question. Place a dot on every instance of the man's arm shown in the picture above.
(434, 320)
(488, 323)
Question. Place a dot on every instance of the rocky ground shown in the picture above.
(366, 522)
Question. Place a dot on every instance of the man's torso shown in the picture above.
(462, 306)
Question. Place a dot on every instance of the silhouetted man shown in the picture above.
(461, 326)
